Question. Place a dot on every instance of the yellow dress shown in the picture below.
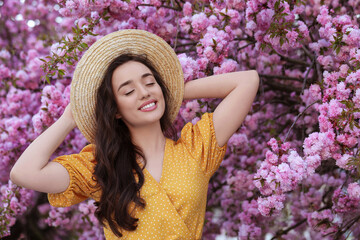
(175, 206)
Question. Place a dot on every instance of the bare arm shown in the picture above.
(32, 170)
(238, 90)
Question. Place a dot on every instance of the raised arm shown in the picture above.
(238, 90)
(32, 170)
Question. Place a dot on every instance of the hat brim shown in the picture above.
(91, 69)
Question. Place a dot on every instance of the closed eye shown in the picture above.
(149, 84)
(128, 93)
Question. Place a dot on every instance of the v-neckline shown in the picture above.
(162, 168)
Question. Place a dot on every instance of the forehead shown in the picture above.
(131, 70)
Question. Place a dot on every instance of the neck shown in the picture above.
(150, 139)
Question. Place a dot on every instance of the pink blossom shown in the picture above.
(324, 17)
(4, 54)
(342, 92)
(315, 91)
(187, 9)
(237, 140)
(292, 37)
(346, 139)
(251, 25)
(343, 162)
(199, 22)
(335, 108)
(354, 190)
(312, 162)
(322, 221)
(264, 18)
(342, 202)
(190, 110)
(271, 158)
(356, 98)
(353, 77)
(271, 204)
(285, 146)
(273, 144)
(319, 144)
(228, 65)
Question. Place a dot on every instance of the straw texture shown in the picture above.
(91, 68)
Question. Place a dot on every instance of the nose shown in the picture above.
(143, 92)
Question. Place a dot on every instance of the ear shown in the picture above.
(118, 116)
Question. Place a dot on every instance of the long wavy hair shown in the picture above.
(117, 172)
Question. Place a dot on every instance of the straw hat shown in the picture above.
(91, 69)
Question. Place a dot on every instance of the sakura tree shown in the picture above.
(291, 171)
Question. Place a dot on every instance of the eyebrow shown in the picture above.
(130, 81)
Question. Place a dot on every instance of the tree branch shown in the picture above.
(296, 61)
(283, 87)
(162, 6)
(306, 75)
(186, 44)
(340, 232)
(240, 48)
(282, 232)
(281, 77)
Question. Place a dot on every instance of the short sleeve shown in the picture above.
(80, 167)
(200, 141)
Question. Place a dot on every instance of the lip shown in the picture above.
(146, 103)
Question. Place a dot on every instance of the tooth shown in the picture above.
(148, 105)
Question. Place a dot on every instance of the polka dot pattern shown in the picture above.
(175, 206)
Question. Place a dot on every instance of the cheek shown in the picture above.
(121, 105)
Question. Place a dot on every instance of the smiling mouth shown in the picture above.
(149, 106)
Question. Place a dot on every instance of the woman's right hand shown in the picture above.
(67, 114)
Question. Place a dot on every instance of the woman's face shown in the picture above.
(139, 98)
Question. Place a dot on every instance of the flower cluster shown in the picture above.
(290, 170)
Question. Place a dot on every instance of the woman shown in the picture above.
(126, 90)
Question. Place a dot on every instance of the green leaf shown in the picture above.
(276, 6)
(84, 45)
(215, 43)
(281, 41)
(61, 72)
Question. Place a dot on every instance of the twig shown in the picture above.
(282, 232)
(162, 6)
(283, 87)
(339, 233)
(308, 53)
(244, 39)
(297, 117)
(291, 59)
(187, 44)
(306, 75)
(318, 70)
(240, 48)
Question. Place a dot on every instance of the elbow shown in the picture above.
(255, 76)
(15, 176)
(255, 79)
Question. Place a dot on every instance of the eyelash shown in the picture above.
(128, 93)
